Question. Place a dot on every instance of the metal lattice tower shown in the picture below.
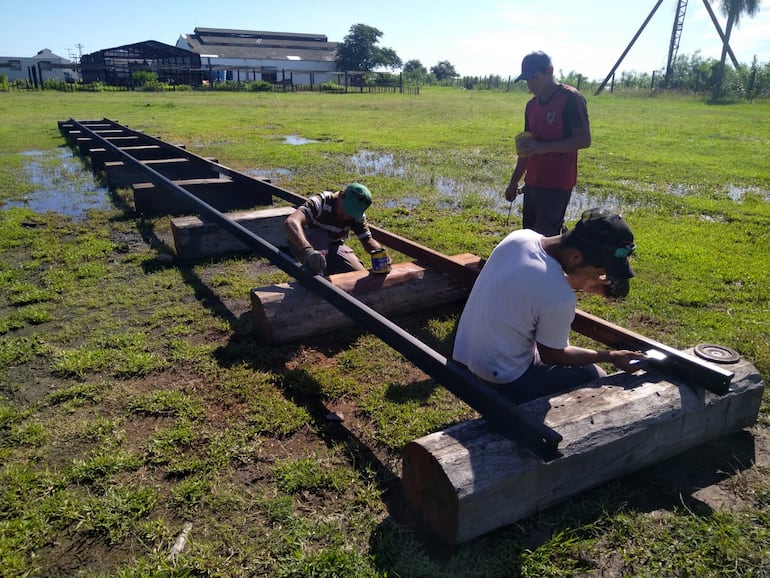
(676, 33)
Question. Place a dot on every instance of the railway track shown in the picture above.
(168, 179)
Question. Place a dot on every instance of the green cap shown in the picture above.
(357, 199)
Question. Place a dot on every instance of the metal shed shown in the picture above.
(115, 66)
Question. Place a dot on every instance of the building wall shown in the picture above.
(218, 69)
(46, 65)
(247, 70)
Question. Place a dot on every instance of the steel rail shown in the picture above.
(501, 414)
(707, 375)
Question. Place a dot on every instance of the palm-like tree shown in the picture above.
(733, 9)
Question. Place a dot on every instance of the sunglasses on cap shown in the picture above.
(625, 252)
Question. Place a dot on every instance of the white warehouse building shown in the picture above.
(45, 65)
(276, 57)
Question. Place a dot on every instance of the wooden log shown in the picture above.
(83, 144)
(100, 155)
(122, 175)
(122, 140)
(195, 239)
(73, 135)
(223, 194)
(466, 480)
(289, 311)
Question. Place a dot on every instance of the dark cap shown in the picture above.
(605, 237)
(356, 200)
(532, 64)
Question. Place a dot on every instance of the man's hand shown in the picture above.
(623, 358)
(314, 260)
(512, 191)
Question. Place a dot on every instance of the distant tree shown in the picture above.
(414, 71)
(692, 72)
(755, 80)
(359, 50)
(733, 9)
(443, 70)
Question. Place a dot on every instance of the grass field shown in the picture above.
(134, 398)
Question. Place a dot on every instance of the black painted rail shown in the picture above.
(500, 413)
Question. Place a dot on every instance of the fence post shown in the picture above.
(752, 79)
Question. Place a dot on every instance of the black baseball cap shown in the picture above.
(604, 236)
(533, 63)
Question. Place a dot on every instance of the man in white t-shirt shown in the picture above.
(514, 329)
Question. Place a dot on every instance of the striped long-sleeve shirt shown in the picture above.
(320, 211)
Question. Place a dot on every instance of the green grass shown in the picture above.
(134, 397)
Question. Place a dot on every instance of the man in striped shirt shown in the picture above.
(317, 230)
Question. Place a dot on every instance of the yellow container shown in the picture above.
(521, 139)
(380, 261)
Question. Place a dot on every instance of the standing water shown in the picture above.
(61, 185)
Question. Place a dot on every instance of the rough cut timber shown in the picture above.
(196, 239)
(100, 155)
(289, 311)
(467, 480)
(120, 175)
(221, 192)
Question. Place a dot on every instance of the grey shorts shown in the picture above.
(543, 210)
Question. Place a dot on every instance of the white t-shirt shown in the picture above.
(520, 297)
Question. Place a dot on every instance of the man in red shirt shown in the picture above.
(557, 119)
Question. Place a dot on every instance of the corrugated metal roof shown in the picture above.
(261, 33)
(258, 45)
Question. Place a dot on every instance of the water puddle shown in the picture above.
(734, 192)
(62, 185)
(407, 203)
(368, 163)
(678, 190)
(738, 193)
(583, 200)
(456, 194)
(294, 139)
(272, 174)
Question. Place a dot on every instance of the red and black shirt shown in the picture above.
(554, 119)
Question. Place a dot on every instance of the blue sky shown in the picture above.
(479, 37)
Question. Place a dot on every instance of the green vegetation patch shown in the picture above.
(135, 397)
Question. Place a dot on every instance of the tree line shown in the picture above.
(359, 51)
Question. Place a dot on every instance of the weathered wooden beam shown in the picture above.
(467, 480)
(221, 193)
(503, 413)
(100, 155)
(197, 239)
(712, 377)
(122, 175)
(708, 375)
(289, 311)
